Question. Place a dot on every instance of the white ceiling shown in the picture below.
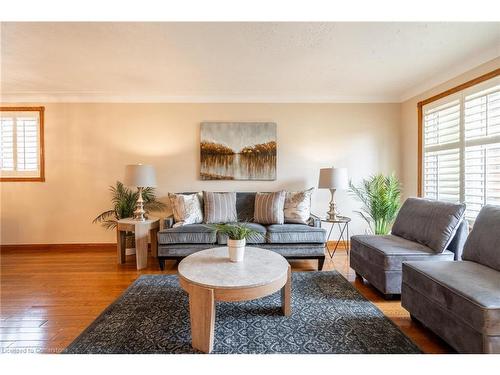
(237, 62)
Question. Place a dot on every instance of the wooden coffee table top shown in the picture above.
(212, 268)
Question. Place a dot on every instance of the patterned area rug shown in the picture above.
(328, 316)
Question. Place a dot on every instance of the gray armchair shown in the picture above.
(460, 301)
(424, 230)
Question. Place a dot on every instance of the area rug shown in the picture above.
(328, 316)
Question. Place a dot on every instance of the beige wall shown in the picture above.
(87, 146)
(409, 125)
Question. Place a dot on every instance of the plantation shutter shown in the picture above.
(20, 144)
(482, 149)
(27, 143)
(7, 143)
(441, 152)
(461, 147)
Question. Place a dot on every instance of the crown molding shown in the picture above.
(452, 72)
(109, 97)
(115, 97)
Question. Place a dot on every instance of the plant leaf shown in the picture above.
(381, 199)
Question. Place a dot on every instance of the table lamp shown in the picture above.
(140, 176)
(333, 179)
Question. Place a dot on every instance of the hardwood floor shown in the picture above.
(48, 296)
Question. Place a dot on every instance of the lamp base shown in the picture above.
(332, 213)
(139, 213)
(333, 216)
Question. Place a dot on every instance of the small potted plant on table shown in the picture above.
(237, 235)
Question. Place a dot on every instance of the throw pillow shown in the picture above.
(220, 207)
(269, 208)
(298, 206)
(186, 209)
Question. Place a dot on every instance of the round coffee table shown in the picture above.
(209, 276)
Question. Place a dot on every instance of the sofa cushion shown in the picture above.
(219, 207)
(388, 252)
(245, 203)
(428, 222)
(295, 233)
(253, 239)
(483, 244)
(191, 233)
(269, 208)
(468, 290)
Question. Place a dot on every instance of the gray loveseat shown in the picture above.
(424, 230)
(460, 301)
(293, 241)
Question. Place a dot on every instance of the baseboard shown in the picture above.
(62, 246)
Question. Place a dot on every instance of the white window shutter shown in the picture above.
(482, 149)
(7, 144)
(20, 144)
(461, 150)
(27, 143)
(441, 152)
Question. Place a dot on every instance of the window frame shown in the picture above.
(444, 94)
(41, 177)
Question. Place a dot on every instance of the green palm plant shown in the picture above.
(124, 201)
(381, 199)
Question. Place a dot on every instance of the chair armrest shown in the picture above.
(314, 221)
(168, 222)
(457, 243)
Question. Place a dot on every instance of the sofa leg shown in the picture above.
(321, 262)
(413, 319)
(390, 297)
(358, 276)
(162, 263)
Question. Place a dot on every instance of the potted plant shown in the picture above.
(381, 199)
(237, 235)
(124, 201)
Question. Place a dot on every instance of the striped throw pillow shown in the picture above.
(219, 207)
(269, 208)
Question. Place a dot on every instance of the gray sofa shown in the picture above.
(293, 241)
(424, 230)
(460, 301)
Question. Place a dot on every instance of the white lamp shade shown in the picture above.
(333, 178)
(140, 175)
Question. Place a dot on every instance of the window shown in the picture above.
(460, 145)
(21, 144)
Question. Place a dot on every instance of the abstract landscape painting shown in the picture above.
(238, 151)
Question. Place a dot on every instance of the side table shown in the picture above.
(343, 225)
(141, 230)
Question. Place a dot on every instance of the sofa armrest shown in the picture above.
(314, 221)
(168, 222)
(457, 243)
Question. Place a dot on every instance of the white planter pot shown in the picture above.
(236, 250)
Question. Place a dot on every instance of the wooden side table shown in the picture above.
(141, 230)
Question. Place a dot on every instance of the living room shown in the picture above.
(291, 187)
